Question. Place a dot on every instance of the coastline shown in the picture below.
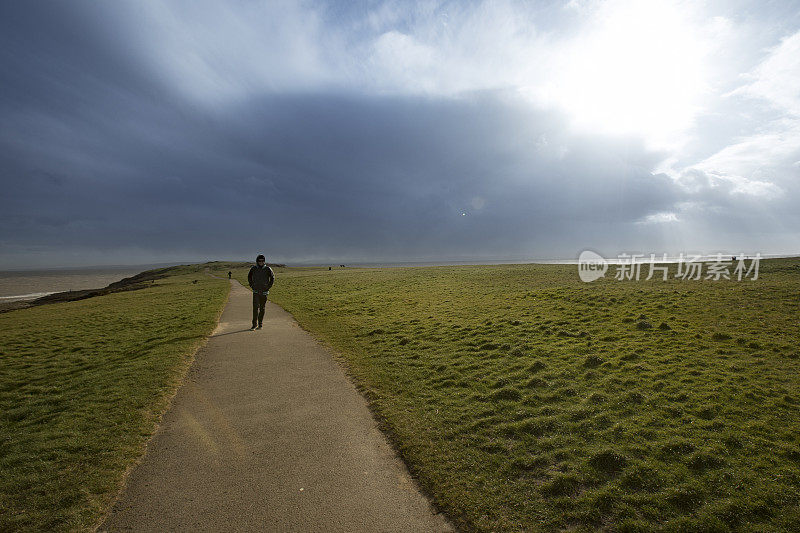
(135, 282)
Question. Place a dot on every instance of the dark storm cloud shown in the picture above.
(100, 152)
(322, 175)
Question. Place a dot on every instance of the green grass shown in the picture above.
(82, 385)
(523, 399)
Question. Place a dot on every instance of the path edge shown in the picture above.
(187, 363)
(389, 435)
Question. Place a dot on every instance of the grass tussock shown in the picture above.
(525, 400)
(82, 385)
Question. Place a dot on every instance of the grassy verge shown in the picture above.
(82, 385)
(524, 399)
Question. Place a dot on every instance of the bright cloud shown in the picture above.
(759, 162)
(637, 67)
(658, 218)
(777, 79)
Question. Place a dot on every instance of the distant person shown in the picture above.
(260, 279)
(229, 274)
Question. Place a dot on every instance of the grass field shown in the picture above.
(82, 385)
(524, 399)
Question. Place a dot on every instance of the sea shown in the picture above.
(640, 258)
(22, 285)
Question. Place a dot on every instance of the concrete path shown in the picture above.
(268, 434)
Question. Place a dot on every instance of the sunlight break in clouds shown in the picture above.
(636, 68)
(621, 67)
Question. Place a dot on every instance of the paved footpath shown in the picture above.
(267, 433)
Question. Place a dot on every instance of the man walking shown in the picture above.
(260, 279)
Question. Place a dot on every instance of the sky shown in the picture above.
(139, 131)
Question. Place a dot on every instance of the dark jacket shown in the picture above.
(260, 278)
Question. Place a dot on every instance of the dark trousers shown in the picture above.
(259, 302)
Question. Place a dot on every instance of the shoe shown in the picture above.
(259, 326)
(252, 328)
